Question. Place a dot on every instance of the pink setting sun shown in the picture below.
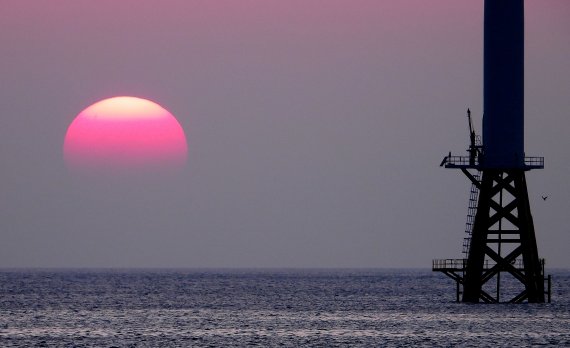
(124, 133)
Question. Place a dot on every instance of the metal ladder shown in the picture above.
(471, 212)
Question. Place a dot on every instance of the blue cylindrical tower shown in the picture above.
(503, 109)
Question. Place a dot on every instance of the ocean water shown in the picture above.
(265, 308)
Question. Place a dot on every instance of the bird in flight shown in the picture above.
(544, 198)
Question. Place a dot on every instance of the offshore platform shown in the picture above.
(501, 262)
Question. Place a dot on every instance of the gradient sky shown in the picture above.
(315, 130)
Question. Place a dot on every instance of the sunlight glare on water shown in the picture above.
(215, 308)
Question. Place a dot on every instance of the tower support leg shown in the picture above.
(503, 240)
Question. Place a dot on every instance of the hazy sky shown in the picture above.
(315, 130)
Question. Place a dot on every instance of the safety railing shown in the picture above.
(458, 161)
(534, 162)
(449, 264)
(461, 264)
(452, 161)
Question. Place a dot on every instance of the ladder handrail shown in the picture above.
(471, 211)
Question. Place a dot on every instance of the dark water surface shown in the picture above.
(290, 308)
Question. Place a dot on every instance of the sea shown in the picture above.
(266, 308)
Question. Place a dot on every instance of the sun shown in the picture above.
(124, 133)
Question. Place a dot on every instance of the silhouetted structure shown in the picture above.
(500, 231)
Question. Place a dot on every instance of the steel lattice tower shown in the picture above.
(500, 243)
